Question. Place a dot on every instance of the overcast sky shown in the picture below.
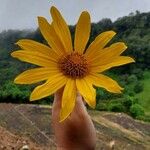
(22, 14)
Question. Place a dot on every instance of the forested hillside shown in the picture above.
(134, 30)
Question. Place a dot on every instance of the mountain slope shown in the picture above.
(114, 130)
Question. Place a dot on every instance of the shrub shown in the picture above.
(132, 79)
(127, 102)
(116, 107)
(138, 87)
(136, 110)
(102, 106)
(144, 118)
(139, 73)
(129, 91)
(135, 101)
(103, 94)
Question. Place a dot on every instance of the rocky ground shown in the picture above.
(28, 126)
(9, 141)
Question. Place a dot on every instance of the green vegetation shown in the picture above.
(135, 78)
(134, 101)
(136, 110)
(144, 96)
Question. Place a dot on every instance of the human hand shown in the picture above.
(77, 132)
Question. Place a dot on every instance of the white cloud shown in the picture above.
(20, 14)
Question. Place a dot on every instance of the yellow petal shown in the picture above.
(54, 83)
(68, 90)
(34, 58)
(119, 61)
(82, 32)
(103, 81)
(91, 102)
(61, 29)
(99, 43)
(31, 45)
(68, 99)
(86, 89)
(108, 54)
(35, 75)
(50, 35)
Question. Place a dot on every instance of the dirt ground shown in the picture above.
(25, 126)
(30, 125)
(9, 141)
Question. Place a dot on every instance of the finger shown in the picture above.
(80, 102)
(59, 93)
(78, 112)
(57, 99)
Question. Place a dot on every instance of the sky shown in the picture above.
(22, 14)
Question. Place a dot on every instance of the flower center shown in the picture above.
(74, 65)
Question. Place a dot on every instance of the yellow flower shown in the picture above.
(75, 68)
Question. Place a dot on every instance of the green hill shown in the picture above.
(134, 30)
(144, 96)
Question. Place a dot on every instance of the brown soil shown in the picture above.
(31, 125)
(9, 141)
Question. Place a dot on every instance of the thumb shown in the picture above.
(57, 99)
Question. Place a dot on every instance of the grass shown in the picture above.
(144, 96)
